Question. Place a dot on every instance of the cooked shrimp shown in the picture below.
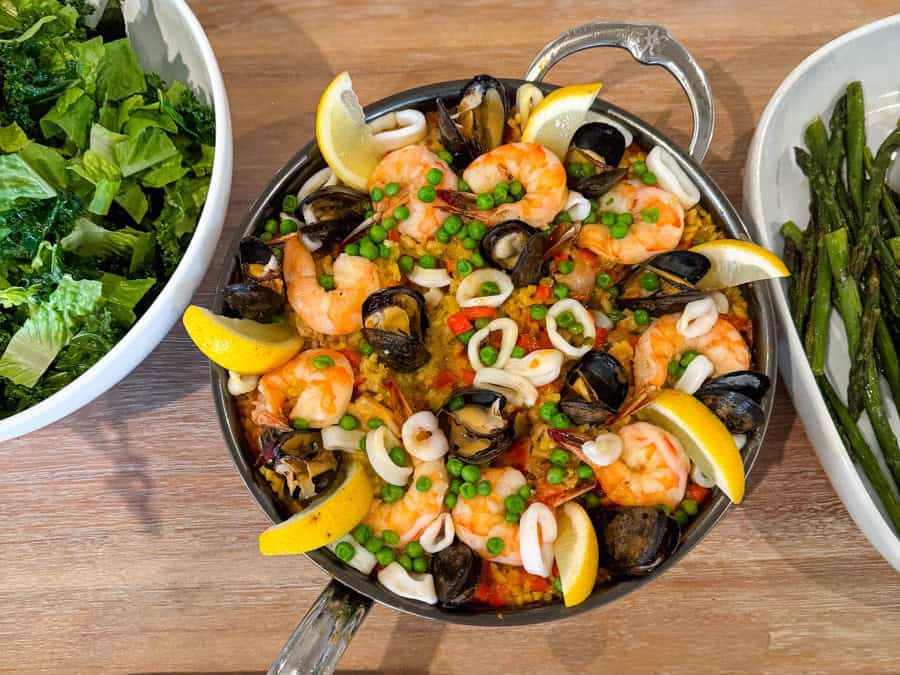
(478, 519)
(657, 224)
(416, 510)
(723, 345)
(652, 468)
(408, 167)
(539, 171)
(315, 386)
(336, 312)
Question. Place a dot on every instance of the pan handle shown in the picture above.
(650, 44)
(322, 636)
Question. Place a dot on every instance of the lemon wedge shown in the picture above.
(554, 121)
(343, 137)
(703, 437)
(577, 553)
(325, 519)
(241, 345)
(736, 262)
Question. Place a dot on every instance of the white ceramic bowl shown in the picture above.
(775, 190)
(168, 40)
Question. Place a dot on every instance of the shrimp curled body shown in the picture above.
(416, 510)
(335, 312)
(481, 518)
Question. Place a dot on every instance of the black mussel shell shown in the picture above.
(394, 323)
(516, 248)
(259, 267)
(456, 571)
(252, 301)
(300, 458)
(254, 251)
(331, 213)
(594, 187)
(482, 113)
(747, 382)
(473, 421)
(635, 540)
(658, 305)
(595, 388)
(600, 141)
(739, 413)
(686, 265)
(451, 137)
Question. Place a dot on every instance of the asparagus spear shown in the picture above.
(875, 410)
(848, 301)
(887, 360)
(856, 141)
(861, 453)
(888, 207)
(817, 331)
(862, 355)
(829, 212)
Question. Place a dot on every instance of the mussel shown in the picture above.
(456, 570)
(479, 121)
(635, 540)
(595, 388)
(330, 214)
(473, 421)
(739, 413)
(300, 459)
(599, 146)
(675, 273)
(260, 294)
(516, 248)
(747, 382)
(394, 323)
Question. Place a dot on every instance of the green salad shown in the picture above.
(104, 170)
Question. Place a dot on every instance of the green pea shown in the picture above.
(420, 565)
(390, 537)
(639, 167)
(423, 484)
(368, 213)
(405, 562)
(514, 503)
(511, 517)
(477, 259)
(446, 156)
(391, 189)
(368, 249)
(516, 189)
(471, 473)
(452, 224)
(556, 475)
(467, 490)
(488, 355)
(455, 484)
(463, 186)
(565, 319)
(608, 218)
(494, 545)
(613, 293)
(395, 492)
(427, 193)
(484, 201)
(650, 215)
(374, 544)
(427, 262)
(547, 410)
(277, 252)
(384, 251)
(366, 349)
(649, 178)
(389, 223)
(463, 267)
(456, 403)
(361, 533)
(538, 312)
(624, 219)
(345, 551)
(348, 423)
(454, 465)
(375, 423)
(401, 212)
(689, 506)
(616, 316)
(414, 549)
(299, 423)
(378, 233)
(618, 230)
(476, 229)
(563, 217)
(518, 352)
(524, 492)
(665, 509)
(289, 203)
(385, 557)
(566, 266)
(559, 457)
(377, 194)
(434, 176)
(489, 288)
(591, 500)
(482, 322)
(351, 249)
(561, 421)
(469, 244)
(397, 456)
(499, 194)
(326, 281)
(406, 263)
(584, 472)
(650, 281)
(266, 236)
(271, 226)
(576, 328)
(688, 357)
(591, 219)
(641, 317)
(287, 226)
(561, 291)
(574, 170)
(442, 235)
(680, 516)
(673, 368)
(483, 488)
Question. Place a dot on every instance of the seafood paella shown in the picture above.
(484, 370)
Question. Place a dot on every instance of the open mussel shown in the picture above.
(665, 283)
(478, 123)
(473, 422)
(456, 570)
(301, 460)
(747, 382)
(739, 413)
(394, 323)
(330, 214)
(597, 148)
(635, 540)
(595, 388)
(260, 294)
(516, 248)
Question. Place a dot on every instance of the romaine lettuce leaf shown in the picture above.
(18, 181)
(71, 117)
(48, 162)
(12, 138)
(120, 75)
(122, 295)
(147, 149)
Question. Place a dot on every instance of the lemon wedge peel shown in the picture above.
(735, 262)
(555, 119)
(577, 553)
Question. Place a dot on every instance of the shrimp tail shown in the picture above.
(461, 203)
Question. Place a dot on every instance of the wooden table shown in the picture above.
(128, 543)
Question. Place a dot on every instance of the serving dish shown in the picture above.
(775, 190)
(168, 39)
(323, 634)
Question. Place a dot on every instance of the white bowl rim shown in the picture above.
(149, 330)
(834, 457)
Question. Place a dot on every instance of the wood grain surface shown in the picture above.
(128, 544)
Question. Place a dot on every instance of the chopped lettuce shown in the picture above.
(19, 182)
(120, 76)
